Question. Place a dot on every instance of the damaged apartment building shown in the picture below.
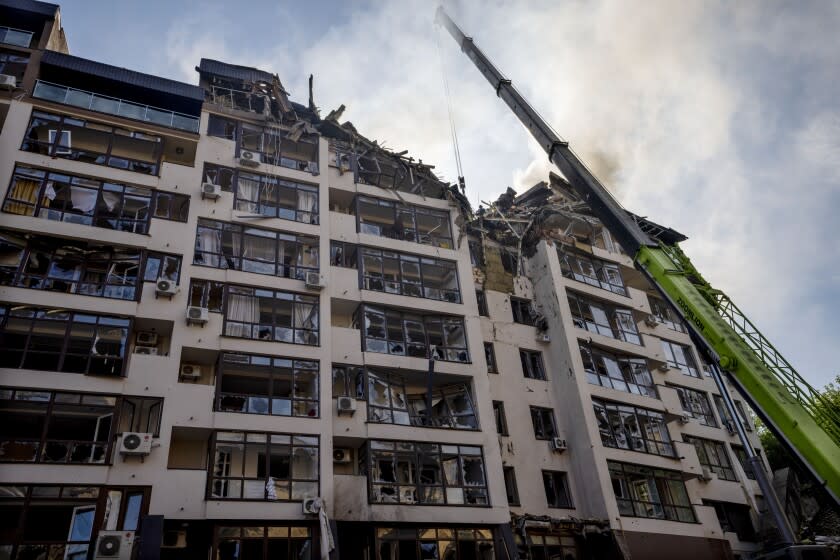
(234, 327)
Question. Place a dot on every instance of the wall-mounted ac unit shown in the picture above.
(558, 444)
(543, 337)
(211, 191)
(311, 506)
(249, 158)
(651, 321)
(136, 443)
(706, 474)
(7, 81)
(114, 545)
(685, 419)
(197, 315)
(146, 338)
(174, 539)
(313, 281)
(346, 404)
(342, 456)
(146, 350)
(189, 372)
(664, 367)
(165, 287)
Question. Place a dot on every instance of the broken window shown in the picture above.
(62, 521)
(430, 543)
(271, 315)
(280, 147)
(140, 414)
(75, 267)
(409, 275)
(345, 255)
(92, 142)
(556, 489)
(69, 198)
(511, 490)
(490, 358)
(734, 518)
(543, 421)
(725, 418)
(501, 420)
(221, 127)
(696, 404)
(384, 218)
(654, 493)
(476, 254)
(663, 313)
(258, 542)
(553, 545)
(207, 294)
(61, 340)
(249, 249)
(623, 373)
(604, 319)
(508, 261)
(680, 357)
(712, 455)
(637, 429)
(523, 311)
(742, 415)
(14, 64)
(426, 473)
(162, 266)
(532, 364)
(591, 270)
(348, 381)
(389, 331)
(253, 384)
(263, 466)
(741, 456)
(481, 298)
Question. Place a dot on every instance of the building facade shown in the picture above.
(233, 328)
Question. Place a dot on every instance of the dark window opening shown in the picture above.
(637, 429)
(348, 381)
(734, 518)
(543, 421)
(501, 419)
(696, 404)
(592, 271)
(345, 255)
(647, 492)
(604, 319)
(510, 486)
(410, 275)
(383, 218)
(713, 456)
(481, 297)
(557, 489)
(490, 358)
(532, 364)
(623, 373)
(523, 311)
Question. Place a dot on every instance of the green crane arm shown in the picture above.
(780, 396)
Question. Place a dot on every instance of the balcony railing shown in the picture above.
(235, 99)
(17, 37)
(114, 106)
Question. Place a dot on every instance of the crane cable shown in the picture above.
(452, 128)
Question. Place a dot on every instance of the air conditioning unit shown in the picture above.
(165, 287)
(114, 545)
(211, 191)
(706, 475)
(312, 167)
(146, 350)
(197, 315)
(346, 404)
(311, 506)
(146, 338)
(558, 444)
(664, 367)
(651, 321)
(313, 281)
(189, 372)
(7, 81)
(543, 337)
(342, 456)
(174, 539)
(249, 158)
(685, 419)
(136, 443)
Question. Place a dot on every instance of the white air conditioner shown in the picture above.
(558, 444)
(136, 443)
(313, 281)
(311, 506)
(114, 545)
(189, 372)
(146, 350)
(312, 167)
(197, 315)
(543, 337)
(706, 475)
(146, 338)
(685, 419)
(249, 158)
(211, 191)
(7, 81)
(664, 367)
(342, 456)
(346, 404)
(651, 321)
(165, 287)
(174, 539)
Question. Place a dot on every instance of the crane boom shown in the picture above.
(782, 398)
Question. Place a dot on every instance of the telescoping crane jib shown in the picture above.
(781, 397)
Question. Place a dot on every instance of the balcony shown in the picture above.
(114, 106)
(16, 37)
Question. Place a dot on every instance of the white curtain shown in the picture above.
(209, 241)
(307, 202)
(242, 308)
(304, 316)
(248, 193)
(83, 200)
(111, 200)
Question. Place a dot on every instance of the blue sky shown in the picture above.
(719, 119)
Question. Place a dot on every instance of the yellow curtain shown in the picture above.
(23, 190)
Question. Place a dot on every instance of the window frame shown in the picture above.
(554, 477)
(664, 314)
(511, 487)
(368, 277)
(399, 212)
(523, 311)
(481, 299)
(688, 367)
(55, 148)
(575, 265)
(598, 371)
(490, 357)
(712, 455)
(620, 323)
(247, 533)
(660, 478)
(533, 366)
(543, 422)
(500, 418)
(691, 397)
(646, 435)
(296, 299)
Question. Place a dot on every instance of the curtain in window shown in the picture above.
(84, 200)
(209, 242)
(248, 194)
(307, 206)
(244, 309)
(305, 318)
(261, 249)
(110, 199)
(24, 190)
